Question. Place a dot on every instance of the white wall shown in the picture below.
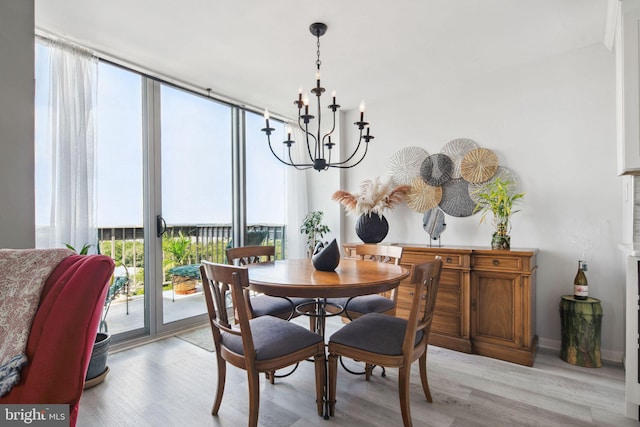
(17, 214)
(552, 122)
(320, 187)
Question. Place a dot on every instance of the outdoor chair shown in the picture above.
(380, 339)
(260, 344)
(120, 285)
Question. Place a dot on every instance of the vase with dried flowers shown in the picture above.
(374, 198)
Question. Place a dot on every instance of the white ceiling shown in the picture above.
(261, 52)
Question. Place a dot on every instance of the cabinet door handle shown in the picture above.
(473, 305)
(496, 262)
(448, 260)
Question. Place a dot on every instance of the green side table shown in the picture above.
(581, 323)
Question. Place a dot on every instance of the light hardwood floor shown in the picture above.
(172, 383)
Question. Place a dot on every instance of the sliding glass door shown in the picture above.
(196, 195)
(180, 178)
(119, 195)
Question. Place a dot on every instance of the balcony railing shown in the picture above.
(201, 242)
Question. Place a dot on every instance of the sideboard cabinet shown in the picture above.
(486, 299)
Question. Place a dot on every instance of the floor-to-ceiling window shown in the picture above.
(119, 188)
(168, 156)
(196, 189)
(265, 180)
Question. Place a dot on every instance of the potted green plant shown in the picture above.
(313, 227)
(184, 277)
(498, 197)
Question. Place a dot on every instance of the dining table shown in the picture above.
(298, 278)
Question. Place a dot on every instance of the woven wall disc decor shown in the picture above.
(455, 198)
(479, 165)
(504, 174)
(456, 150)
(404, 165)
(436, 169)
(423, 196)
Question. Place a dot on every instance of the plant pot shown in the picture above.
(500, 241)
(97, 369)
(183, 285)
(372, 228)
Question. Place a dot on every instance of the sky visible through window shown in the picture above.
(196, 155)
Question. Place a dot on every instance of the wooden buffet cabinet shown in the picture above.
(486, 299)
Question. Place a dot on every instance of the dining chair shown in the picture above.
(260, 344)
(258, 304)
(358, 306)
(380, 339)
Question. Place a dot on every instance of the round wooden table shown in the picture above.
(298, 278)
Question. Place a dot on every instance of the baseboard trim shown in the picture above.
(608, 355)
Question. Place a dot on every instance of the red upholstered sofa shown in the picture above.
(63, 333)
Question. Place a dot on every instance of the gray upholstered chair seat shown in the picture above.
(272, 337)
(265, 305)
(375, 333)
(365, 304)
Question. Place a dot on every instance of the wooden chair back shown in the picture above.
(426, 281)
(245, 255)
(217, 280)
(250, 255)
(380, 253)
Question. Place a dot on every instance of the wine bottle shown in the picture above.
(580, 288)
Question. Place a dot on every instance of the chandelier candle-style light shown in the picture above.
(319, 146)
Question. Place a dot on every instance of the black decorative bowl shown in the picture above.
(327, 259)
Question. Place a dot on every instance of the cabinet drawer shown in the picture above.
(410, 257)
(404, 295)
(449, 301)
(449, 260)
(497, 263)
(446, 324)
(450, 279)
(452, 260)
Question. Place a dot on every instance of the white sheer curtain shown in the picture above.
(71, 137)
(297, 198)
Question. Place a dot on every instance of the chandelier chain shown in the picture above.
(318, 62)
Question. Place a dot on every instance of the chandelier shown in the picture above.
(319, 146)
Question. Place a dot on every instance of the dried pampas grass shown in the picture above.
(375, 197)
